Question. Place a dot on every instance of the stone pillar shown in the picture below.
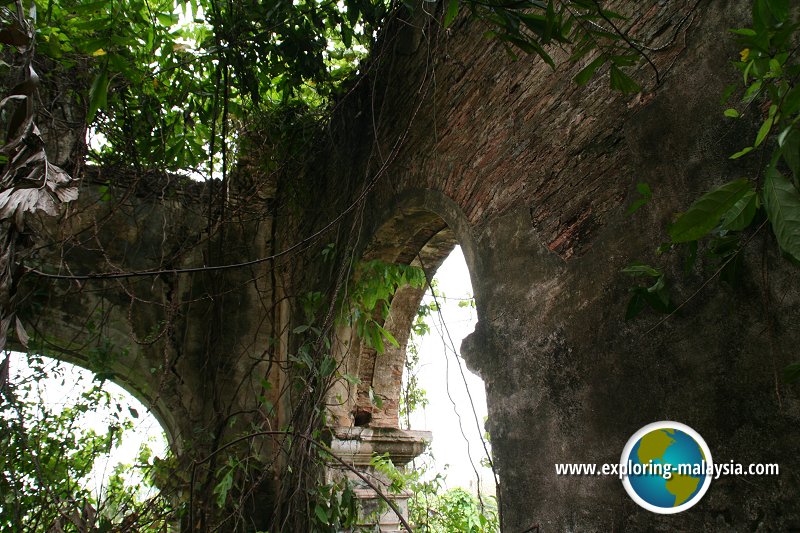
(356, 446)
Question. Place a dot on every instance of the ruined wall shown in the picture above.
(193, 346)
(449, 140)
(533, 175)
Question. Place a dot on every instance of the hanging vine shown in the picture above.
(173, 91)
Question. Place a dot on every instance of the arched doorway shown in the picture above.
(78, 453)
(421, 231)
(450, 399)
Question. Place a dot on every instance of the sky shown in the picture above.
(456, 448)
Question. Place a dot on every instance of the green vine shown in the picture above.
(721, 223)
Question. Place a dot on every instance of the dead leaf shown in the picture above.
(14, 36)
(5, 367)
(22, 335)
(4, 323)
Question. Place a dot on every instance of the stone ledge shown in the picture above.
(357, 445)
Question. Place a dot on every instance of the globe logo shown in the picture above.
(666, 467)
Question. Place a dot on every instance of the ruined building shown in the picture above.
(447, 141)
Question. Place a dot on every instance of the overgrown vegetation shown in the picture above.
(434, 509)
(170, 83)
(54, 474)
(719, 225)
(51, 457)
(176, 87)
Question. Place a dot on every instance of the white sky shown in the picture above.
(455, 433)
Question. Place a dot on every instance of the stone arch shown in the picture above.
(421, 228)
(121, 372)
(123, 380)
(418, 228)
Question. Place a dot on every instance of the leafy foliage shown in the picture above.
(725, 218)
(431, 508)
(705, 214)
(770, 71)
(457, 510)
(50, 456)
(533, 25)
(434, 511)
(376, 283)
(646, 195)
(655, 295)
(782, 202)
(173, 83)
(168, 77)
(173, 86)
(364, 308)
(335, 508)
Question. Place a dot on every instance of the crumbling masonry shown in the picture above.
(448, 141)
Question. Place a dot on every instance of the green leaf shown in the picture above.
(775, 67)
(732, 113)
(779, 9)
(327, 366)
(659, 288)
(374, 337)
(705, 213)
(789, 142)
(742, 152)
(550, 15)
(351, 379)
(763, 131)
(167, 19)
(622, 82)
(656, 297)
(612, 14)
(791, 102)
(647, 195)
(741, 214)
(98, 95)
(640, 269)
(529, 46)
(791, 373)
(389, 337)
(782, 201)
(223, 487)
(760, 14)
(300, 329)
(588, 71)
(322, 515)
(452, 11)
(628, 60)
(375, 399)
(752, 91)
